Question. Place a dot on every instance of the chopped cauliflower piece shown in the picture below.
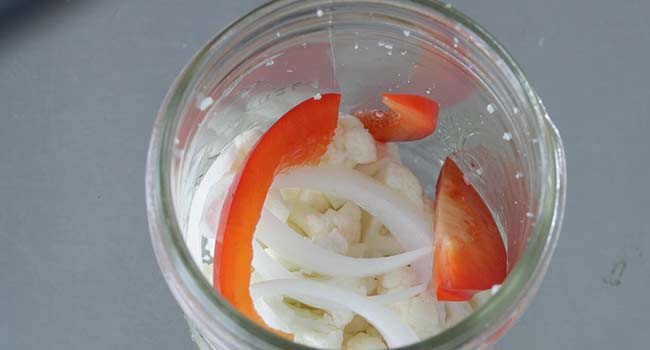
(301, 215)
(397, 280)
(424, 315)
(352, 144)
(401, 179)
(378, 239)
(363, 341)
(310, 326)
(332, 240)
(335, 202)
(290, 194)
(314, 199)
(346, 221)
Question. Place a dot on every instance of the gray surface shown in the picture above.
(80, 83)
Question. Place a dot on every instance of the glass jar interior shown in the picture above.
(485, 130)
(362, 49)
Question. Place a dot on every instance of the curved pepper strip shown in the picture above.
(300, 137)
(409, 118)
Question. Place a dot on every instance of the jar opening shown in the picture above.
(493, 124)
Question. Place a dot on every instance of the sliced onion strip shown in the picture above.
(406, 222)
(395, 332)
(311, 257)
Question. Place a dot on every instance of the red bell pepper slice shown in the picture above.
(300, 137)
(469, 255)
(409, 118)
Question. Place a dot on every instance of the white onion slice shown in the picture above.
(218, 169)
(390, 298)
(303, 252)
(406, 222)
(395, 332)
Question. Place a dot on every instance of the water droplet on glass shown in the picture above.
(388, 46)
(176, 140)
(516, 202)
(530, 215)
(318, 96)
(390, 53)
(448, 5)
(356, 46)
(406, 33)
(515, 110)
(455, 42)
(206, 103)
(408, 81)
(519, 175)
(427, 91)
(289, 70)
(399, 74)
(319, 13)
(381, 43)
(303, 44)
(507, 136)
(403, 52)
(534, 140)
(277, 34)
(269, 62)
(490, 108)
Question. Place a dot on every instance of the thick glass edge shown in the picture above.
(160, 208)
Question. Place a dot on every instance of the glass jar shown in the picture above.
(491, 122)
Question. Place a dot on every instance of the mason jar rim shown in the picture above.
(208, 309)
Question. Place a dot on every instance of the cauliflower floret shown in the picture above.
(290, 194)
(335, 202)
(401, 179)
(310, 326)
(352, 144)
(378, 239)
(422, 312)
(332, 240)
(397, 280)
(363, 341)
(314, 199)
(346, 222)
(424, 315)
